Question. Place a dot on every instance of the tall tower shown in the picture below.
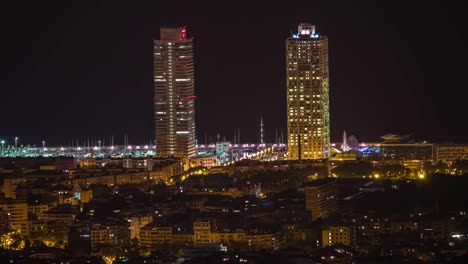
(307, 94)
(261, 130)
(174, 108)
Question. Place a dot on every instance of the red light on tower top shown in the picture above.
(174, 34)
(183, 31)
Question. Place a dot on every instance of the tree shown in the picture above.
(239, 246)
(353, 170)
(133, 248)
(27, 244)
(109, 254)
(461, 166)
(101, 190)
(391, 170)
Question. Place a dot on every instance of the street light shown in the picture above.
(3, 142)
(16, 146)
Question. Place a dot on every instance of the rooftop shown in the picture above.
(174, 33)
(320, 182)
(306, 30)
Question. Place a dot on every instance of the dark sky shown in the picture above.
(73, 70)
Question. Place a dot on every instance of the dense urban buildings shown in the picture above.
(307, 83)
(174, 107)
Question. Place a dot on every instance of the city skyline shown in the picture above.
(322, 131)
(392, 88)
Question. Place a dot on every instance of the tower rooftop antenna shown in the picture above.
(261, 130)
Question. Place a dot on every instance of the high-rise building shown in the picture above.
(174, 106)
(321, 197)
(307, 94)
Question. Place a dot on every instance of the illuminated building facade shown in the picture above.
(87, 163)
(108, 236)
(17, 212)
(307, 94)
(321, 198)
(449, 153)
(85, 196)
(266, 241)
(202, 232)
(137, 222)
(10, 185)
(339, 234)
(204, 161)
(174, 106)
(152, 236)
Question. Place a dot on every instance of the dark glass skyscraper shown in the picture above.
(174, 95)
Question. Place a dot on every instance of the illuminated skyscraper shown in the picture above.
(307, 94)
(174, 95)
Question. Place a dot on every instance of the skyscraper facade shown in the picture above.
(174, 105)
(307, 94)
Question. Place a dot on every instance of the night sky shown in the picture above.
(85, 70)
